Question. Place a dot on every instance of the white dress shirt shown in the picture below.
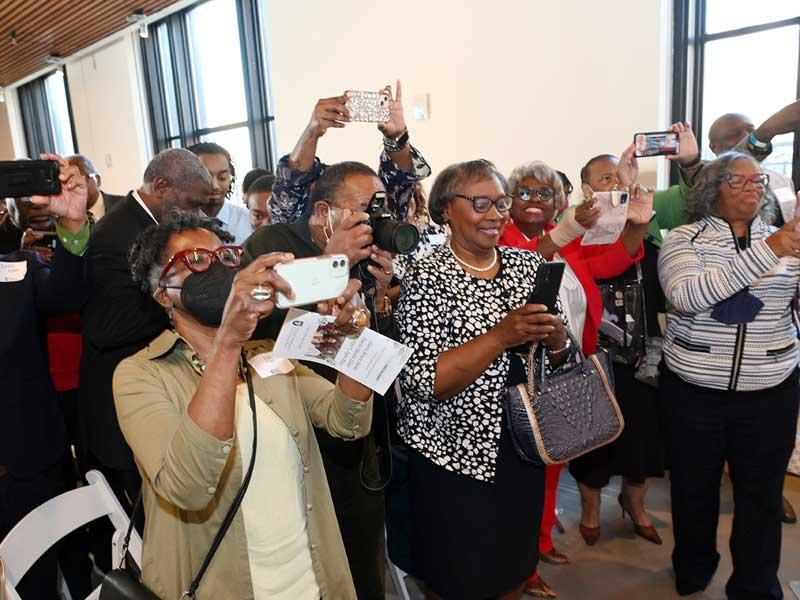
(236, 221)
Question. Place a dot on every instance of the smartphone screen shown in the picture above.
(656, 143)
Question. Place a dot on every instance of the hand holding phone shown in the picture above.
(533, 322)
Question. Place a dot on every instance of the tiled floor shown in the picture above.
(622, 566)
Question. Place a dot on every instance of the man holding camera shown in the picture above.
(337, 222)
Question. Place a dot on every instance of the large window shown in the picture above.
(46, 115)
(205, 78)
(738, 56)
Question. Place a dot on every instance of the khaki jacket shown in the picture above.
(190, 478)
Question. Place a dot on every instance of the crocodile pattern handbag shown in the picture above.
(557, 418)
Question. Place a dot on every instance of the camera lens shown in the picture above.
(397, 237)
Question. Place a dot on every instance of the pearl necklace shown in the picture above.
(473, 267)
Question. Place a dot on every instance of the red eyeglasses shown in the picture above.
(198, 260)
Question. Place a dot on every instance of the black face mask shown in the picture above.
(204, 294)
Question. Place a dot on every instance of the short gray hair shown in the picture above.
(453, 177)
(702, 198)
(88, 165)
(179, 167)
(542, 173)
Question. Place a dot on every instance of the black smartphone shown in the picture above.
(545, 291)
(656, 143)
(25, 178)
(546, 285)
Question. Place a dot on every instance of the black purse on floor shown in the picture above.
(122, 584)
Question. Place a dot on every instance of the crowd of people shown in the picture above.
(132, 322)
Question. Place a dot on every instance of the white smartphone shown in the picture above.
(313, 279)
(369, 107)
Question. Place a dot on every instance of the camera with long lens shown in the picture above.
(388, 233)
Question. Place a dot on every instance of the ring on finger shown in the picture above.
(360, 319)
(261, 293)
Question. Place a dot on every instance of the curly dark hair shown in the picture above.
(146, 257)
(212, 148)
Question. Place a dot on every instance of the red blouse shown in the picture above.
(589, 263)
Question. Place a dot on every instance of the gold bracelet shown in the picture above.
(386, 309)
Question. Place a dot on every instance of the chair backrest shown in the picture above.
(44, 526)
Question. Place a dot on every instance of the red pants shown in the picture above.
(552, 474)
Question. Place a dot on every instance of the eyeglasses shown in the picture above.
(544, 194)
(198, 260)
(739, 181)
(482, 204)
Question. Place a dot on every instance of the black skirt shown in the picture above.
(472, 539)
(639, 452)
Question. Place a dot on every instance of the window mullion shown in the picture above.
(184, 85)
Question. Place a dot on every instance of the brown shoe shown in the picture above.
(590, 534)
(647, 532)
(539, 589)
(788, 512)
(554, 557)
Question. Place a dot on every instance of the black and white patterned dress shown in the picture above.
(476, 504)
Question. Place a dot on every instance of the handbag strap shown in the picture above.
(536, 367)
(237, 501)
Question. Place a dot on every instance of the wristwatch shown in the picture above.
(757, 143)
(391, 145)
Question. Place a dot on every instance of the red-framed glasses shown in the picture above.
(198, 260)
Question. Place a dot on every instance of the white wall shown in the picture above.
(110, 118)
(509, 80)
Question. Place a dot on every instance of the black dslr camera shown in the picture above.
(388, 233)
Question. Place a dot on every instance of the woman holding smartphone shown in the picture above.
(184, 408)
(538, 195)
(461, 310)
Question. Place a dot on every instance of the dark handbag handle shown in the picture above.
(536, 372)
(237, 501)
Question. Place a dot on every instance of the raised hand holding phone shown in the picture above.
(70, 204)
(688, 151)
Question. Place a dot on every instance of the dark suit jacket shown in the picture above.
(112, 200)
(32, 433)
(118, 320)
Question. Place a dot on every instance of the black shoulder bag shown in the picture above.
(121, 584)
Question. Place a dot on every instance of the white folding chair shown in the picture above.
(795, 587)
(44, 526)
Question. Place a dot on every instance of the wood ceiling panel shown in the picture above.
(63, 27)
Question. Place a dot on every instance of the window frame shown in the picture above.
(259, 120)
(37, 123)
(689, 40)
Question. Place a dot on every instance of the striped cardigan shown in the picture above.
(700, 265)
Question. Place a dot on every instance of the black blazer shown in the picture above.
(118, 320)
(112, 201)
(32, 433)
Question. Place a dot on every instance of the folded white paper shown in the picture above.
(369, 357)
